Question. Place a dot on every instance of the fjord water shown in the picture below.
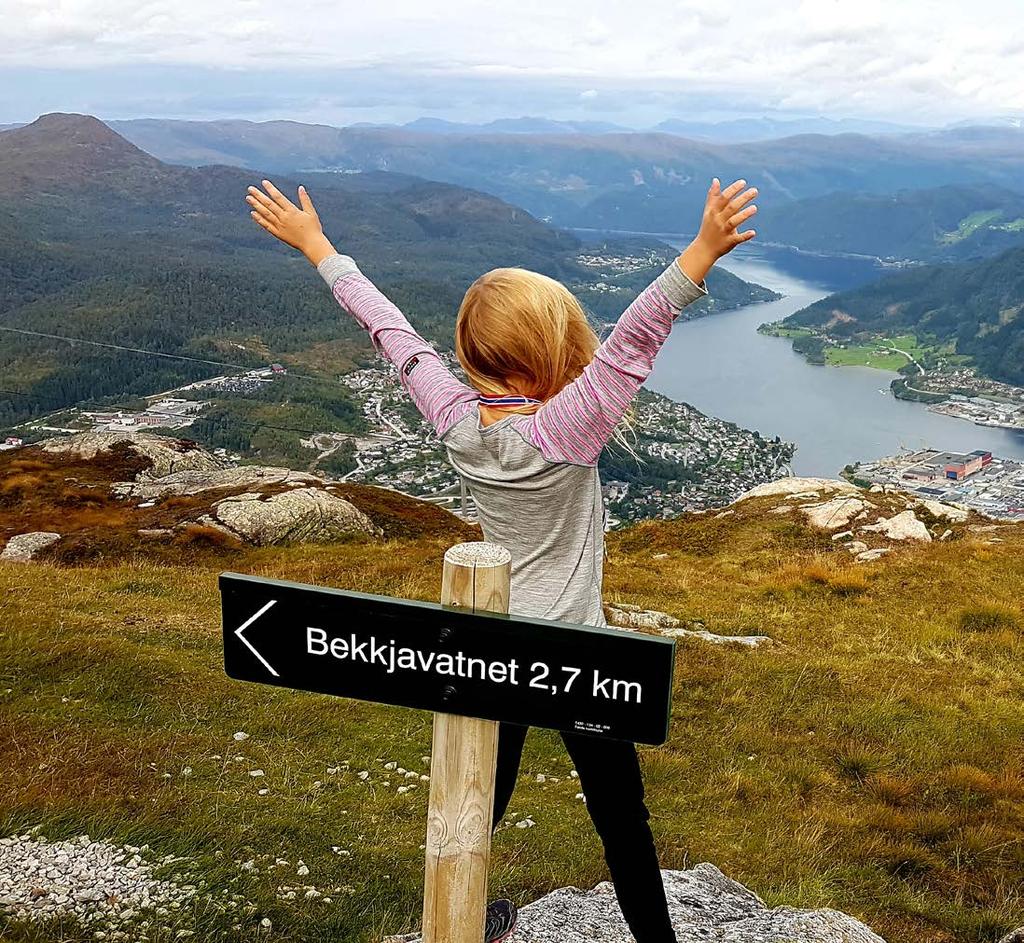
(835, 415)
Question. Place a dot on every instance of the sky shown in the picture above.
(917, 62)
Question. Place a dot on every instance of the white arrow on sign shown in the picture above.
(248, 644)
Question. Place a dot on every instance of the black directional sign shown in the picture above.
(583, 679)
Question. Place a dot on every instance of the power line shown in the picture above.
(134, 350)
(163, 354)
(156, 353)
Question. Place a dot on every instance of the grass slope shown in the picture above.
(869, 761)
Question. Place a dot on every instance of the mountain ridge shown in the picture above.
(638, 180)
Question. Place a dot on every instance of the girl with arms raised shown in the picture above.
(544, 398)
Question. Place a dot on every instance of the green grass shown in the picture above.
(969, 225)
(777, 330)
(869, 761)
(877, 354)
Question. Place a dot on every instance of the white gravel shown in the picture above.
(93, 882)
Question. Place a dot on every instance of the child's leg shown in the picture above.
(511, 738)
(609, 772)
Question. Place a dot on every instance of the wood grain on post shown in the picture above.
(462, 766)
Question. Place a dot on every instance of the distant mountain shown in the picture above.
(954, 222)
(763, 129)
(76, 152)
(642, 182)
(524, 125)
(978, 305)
(995, 121)
(739, 129)
(100, 240)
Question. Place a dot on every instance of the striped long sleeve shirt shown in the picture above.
(534, 478)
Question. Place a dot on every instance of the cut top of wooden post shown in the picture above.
(477, 553)
(476, 576)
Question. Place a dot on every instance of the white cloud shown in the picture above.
(919, 60)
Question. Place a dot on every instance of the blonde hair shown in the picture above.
(522, 332)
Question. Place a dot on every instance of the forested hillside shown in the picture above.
(979, 305)
(943, 223)
(101, 241)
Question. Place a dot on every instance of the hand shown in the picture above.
(297, 227)
(719, 234)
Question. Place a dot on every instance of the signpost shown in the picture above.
(472, 665)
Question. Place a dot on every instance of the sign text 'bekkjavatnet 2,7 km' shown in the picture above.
(583, 679)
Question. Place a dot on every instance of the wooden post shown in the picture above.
(462, 765)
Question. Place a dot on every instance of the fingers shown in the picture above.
(715, 188)
(306, 203)
(742, 200)
(261, 202)
(277, 196)
(730, 191)
(261, 214)
(745, 236)
(737, 218)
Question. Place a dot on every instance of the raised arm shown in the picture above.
(439, 396)
(576, 424)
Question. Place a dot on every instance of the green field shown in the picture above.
(877, 355)
(969, 225)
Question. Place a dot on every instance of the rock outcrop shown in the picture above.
(858, 515)
(626, 616)
(903, 526)
(705, 905)
(833, 514)
(166, 455)
(195, 481)
(800, 487)
(310, 515)
(23, 547)
(948, 512)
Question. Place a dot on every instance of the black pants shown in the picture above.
(609, 773)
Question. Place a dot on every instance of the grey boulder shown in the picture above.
(23, 547)
(831, 515)
(306, 515)
(903, 526)
(704, 904)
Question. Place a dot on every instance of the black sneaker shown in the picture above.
(501, 920)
